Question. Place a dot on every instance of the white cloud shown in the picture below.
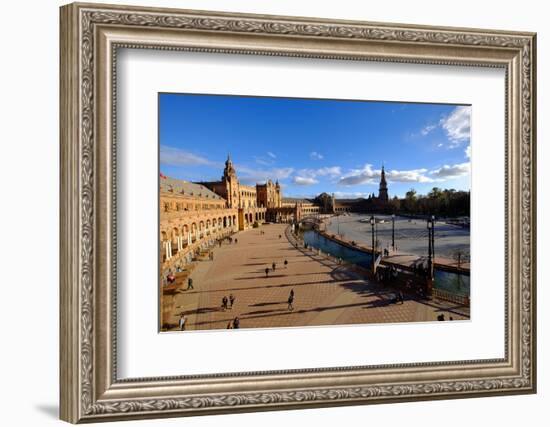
(309, 176)
(270, 154)
(427, 129)
(360, 176)
(332, 171)
(252, 176)
(263, 162)
(457, 125)
(367, 175)
(440, 145)
(413, 175)
(468, 151)
(304, 180)
(173, 156)
(350, 195)
(316, 156)
(452, 171)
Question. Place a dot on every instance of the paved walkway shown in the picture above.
(325, 293)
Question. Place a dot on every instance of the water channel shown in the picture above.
(451, 282)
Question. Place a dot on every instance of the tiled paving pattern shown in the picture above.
(325, 293)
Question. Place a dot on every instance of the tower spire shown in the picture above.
(229, 170)
(383, 189)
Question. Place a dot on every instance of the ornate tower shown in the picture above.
(229, 170)
(383, 189)
(231, 184)
(278, 196)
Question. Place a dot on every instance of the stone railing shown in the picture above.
(451, 297)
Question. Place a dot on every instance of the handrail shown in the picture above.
(451, 297)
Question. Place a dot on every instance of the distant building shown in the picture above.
(325, 203)
(269, 194)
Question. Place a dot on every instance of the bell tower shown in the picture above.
(231, 184)
(383, 189)
(229, 170)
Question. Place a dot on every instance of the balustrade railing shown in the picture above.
(451, 297)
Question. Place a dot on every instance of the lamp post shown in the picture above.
(372, 222)
(430, 226)
(433, 241)
(393, 232)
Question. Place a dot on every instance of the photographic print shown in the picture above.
(278, 212)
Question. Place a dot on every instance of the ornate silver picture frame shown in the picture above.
(91, 390)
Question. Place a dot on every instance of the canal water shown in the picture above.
(444, 280)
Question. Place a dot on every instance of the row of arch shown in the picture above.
(198, 227)
(209, 224)
(177, 238)
(250, 217)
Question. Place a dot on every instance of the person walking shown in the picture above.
(292, 293)
(224, 303)
(231, 301)
(235, 241)
(229, 325)
(290, 302)
(182, 322)
(286, 263)
(273, 266)
(190, 283)
(236, 323)
(266, 271)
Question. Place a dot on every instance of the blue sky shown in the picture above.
(312, 145)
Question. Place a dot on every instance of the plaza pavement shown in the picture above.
(411, 235)
(325, 293)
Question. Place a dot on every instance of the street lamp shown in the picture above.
(393, 232)
(433, 239)
(372, 222)
(431, 252)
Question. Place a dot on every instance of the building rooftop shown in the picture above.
(186, 188)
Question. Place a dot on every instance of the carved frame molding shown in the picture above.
(90, 37)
